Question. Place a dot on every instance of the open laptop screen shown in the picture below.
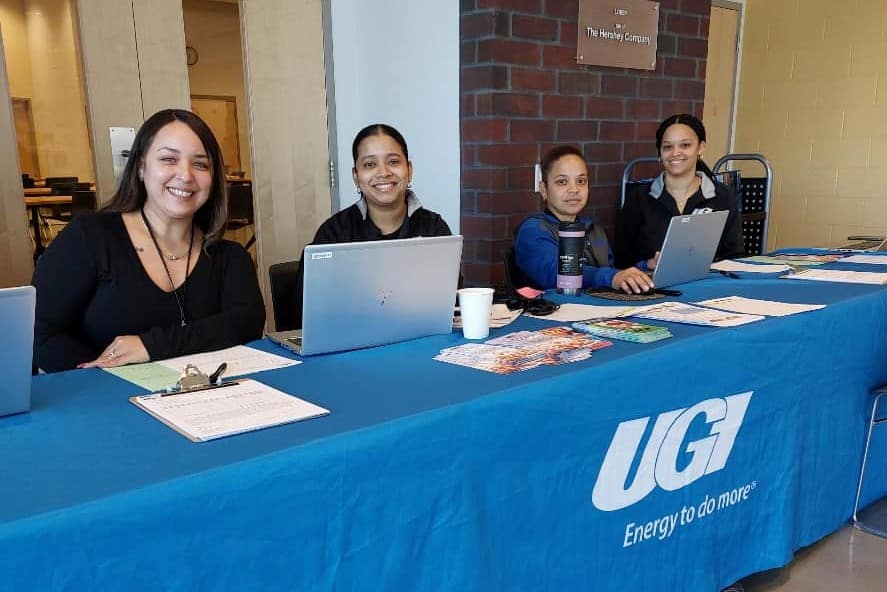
(17, 327)
(363, 294)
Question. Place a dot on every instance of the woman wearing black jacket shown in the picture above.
(686, 186)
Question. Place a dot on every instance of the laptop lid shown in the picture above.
(17, 326)
(371, 293)
(689, 248)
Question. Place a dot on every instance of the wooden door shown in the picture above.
(220, 114)
(25, 137)
(720, 80)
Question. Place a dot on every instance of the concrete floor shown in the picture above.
(847, 561)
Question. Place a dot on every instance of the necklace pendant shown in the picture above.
(172, 258)
(184, 324)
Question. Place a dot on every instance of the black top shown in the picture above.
(643, 222)
(92, 287)
(353, 224)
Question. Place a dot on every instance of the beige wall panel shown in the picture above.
(790, 37)
(836, 48)
(779, 13)
(283, 57)
(790, 154)
(57, 91)
(833, 64)
(797, 93)
(878, 152)
(829, 123)
(843, 152)
(874, 215)
(881, 94)
(812, 182)
(851, 183)
(15, 248)
(867, 57)
(213, 29)
(111, 73)
(837, 25)
(856, 91)
(797, 233)
(828, 212)
(778, 67)
(160, 34)
(826, 8)
(865, 122)
(15, 42)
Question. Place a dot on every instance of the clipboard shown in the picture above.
(211, 411)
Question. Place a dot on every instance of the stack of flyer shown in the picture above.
(524, 350)
(623, 329)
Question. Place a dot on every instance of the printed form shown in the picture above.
(231, 408)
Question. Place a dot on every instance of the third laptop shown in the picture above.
(689, 248)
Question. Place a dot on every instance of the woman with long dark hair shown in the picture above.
(149, 276)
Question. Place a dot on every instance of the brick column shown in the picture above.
(522, 92)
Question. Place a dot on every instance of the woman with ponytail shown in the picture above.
(686, 186)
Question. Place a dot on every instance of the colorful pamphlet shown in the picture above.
(623, 329)
(524, 350)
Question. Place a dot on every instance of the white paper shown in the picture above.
(834, 275)
(730, 266)
(240, 359)
(570, 312)
(679, 312)
(768, 308)
(870, 259)
(241, 406)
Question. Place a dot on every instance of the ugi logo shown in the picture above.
(659, 462)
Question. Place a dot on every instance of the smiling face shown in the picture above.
(680, 150)
(565, 190)
(177, 172)
(382, 172)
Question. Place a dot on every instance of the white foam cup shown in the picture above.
(475, 305)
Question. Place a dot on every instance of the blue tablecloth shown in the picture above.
(683, 464)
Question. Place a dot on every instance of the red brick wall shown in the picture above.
(522, 93)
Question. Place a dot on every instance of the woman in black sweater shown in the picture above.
(387, 209)
(149, 277)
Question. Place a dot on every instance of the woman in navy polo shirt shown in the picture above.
(564, 189)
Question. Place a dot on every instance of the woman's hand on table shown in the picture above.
(125, 349)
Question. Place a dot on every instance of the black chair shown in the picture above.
(83, 202)
(629, 170)
(753, 194)
(240, 208)
(61, 185)
(83, 198)
(514, 277)
(286, 298)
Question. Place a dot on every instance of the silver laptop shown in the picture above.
(364, 294)
(17, 327)
(689, 248)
